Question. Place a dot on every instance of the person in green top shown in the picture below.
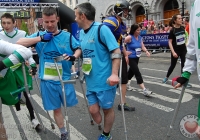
(11, 35)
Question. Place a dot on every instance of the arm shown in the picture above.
(35, 39)
(145, 49)
(28, 41)
(172, 49)
(114, 79)
(17, 53)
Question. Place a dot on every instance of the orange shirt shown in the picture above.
(187, 28)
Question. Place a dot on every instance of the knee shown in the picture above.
(57, 111)
(94, 110)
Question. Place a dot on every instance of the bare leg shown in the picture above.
(95, 112)
(59, 118)
(142, 86)
(109, 117)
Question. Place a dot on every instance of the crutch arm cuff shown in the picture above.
(186, 75)
(116, 55)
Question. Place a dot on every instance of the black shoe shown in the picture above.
(22, 102)
(126, 107)
(64, 136)
(36, 125)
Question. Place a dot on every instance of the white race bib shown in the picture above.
(180, 39)
(50, 72)
(138, 52)
(87, 65)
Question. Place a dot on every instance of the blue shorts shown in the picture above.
(52, 95)
(105, 99)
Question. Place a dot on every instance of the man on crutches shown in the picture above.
(100, 66)
(193, 52)
(50, 44)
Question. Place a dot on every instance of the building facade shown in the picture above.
(158, 10)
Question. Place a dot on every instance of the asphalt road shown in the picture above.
(150, 121)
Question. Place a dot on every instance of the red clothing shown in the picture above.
(187, 28)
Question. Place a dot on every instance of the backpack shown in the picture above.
(99, 37)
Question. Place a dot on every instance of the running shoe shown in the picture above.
(165, 80)
(64, 136)
(126, 107)
(103, 137)
(147, 92)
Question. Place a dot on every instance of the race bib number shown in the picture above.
(50, 71)
(180, 39)
(138, 52)
(87, 65)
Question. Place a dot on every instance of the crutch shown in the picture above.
(36, 81)
(57, 59)
(81, 80)
(26, 88)
(122, 104)
(177, 108)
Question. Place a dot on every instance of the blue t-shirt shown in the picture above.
(118, 29)
(58, 45)
(100, 56)
(134, 46)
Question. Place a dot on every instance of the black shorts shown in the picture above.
(124, 71)
(36, 58)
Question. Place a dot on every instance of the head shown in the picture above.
(186, 20)
(8, 22)
(50, 19)
(122, 9)
(84, 12)
(177, 19)
(135, 30)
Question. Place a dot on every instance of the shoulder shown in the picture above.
(21, 32)
(62, 32)
(111, 21)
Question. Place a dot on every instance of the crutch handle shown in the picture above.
(58, 58)
(18, 91)
(69, 82)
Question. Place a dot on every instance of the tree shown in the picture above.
(24, 27)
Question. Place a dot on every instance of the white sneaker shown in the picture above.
(36, 125)
(35, 122)
(128, 87)
(147, 92)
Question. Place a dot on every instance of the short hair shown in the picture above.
(134, 27)
(87, 9)
(49, 11)
(8, 15)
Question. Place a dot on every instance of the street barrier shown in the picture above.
(157, 42)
